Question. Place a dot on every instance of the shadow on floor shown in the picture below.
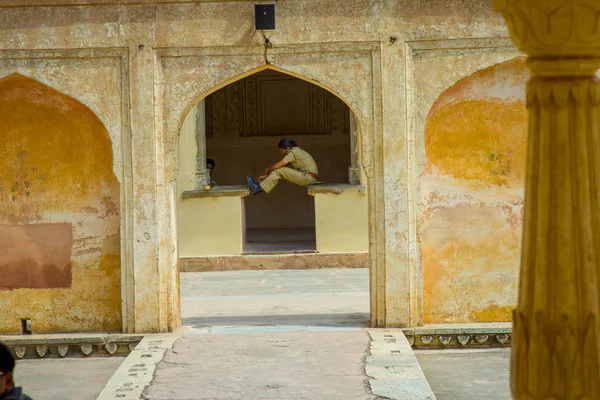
(350, 320)
(297, 240)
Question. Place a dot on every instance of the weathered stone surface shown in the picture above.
(86, 349)
(111, 348)
(402, 390)
(20, 351)
(463, 339)
(426, 339)
(393, 365)
(445, 340)
(503, 338)
(273, 262)
(481, 339)
(62, 349)
(41, 350)
(139, 72)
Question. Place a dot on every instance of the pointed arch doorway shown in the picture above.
(233, 132)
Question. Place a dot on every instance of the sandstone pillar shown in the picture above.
(202, 174)
(354, 169)
(556, 331)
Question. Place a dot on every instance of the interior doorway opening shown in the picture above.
(305, 249)
(242, 124)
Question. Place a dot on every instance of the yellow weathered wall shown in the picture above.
(210, 226)
(205, 226)
(60, 155)
(342, 222)
(140, 66)
(472, 195)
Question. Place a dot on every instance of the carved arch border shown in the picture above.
(183, 77)
(21, 61)
(500, 50)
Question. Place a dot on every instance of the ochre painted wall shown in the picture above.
(472, 196)
(59, 213)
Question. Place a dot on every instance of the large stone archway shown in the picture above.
(187, 76)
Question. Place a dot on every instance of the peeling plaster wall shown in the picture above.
(472, 196)
(59, 220)
(141, 67)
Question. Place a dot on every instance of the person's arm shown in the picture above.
(277, 165)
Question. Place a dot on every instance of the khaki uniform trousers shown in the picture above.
(287, 174)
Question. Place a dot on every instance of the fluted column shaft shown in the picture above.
(556, 326)
(556, 331)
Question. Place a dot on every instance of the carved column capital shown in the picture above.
(555, 29)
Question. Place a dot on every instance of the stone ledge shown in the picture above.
(393, 368)
(478, 335)
(218, 191)
(335, 188)
(274, 261)
(71, 345)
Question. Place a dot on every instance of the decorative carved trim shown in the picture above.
(41, 350)
(111, 348)
(237, 109)
(19, 351)
(550, 28)
(445, 339)
(57, 346)
(86, 349)
(460, 341)
(62, 350)
(463, 339)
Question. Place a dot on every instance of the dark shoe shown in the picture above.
(254, 187)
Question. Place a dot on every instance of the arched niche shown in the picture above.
(59, 220)
(472, 194)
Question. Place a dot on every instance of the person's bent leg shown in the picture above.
(296, 177)
(270, 181)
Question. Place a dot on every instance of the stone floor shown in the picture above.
(273, 335)
(296, 335)
(65, 378)
(284, 365)
(467, 374)
(332, 298)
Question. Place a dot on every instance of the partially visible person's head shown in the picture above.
(210, 164)
(286, 145)
(7, 365)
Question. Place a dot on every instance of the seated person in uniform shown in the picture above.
(303, 169)
(210, 166)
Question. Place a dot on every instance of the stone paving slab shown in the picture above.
(286, 365)
(394, 369)
(65, 379)
(136, 372)
(467, 374)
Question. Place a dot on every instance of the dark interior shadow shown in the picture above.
(349, 320)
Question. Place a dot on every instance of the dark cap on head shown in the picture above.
(7, 360)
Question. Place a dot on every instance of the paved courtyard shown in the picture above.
(65, 378)
(319, 299)
(285, 365)
(467, 374)
(272, 335)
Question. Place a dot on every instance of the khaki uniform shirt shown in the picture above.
(301, 161)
